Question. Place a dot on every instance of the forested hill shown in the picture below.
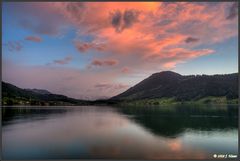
(169, 84)
(13, 95)
(160, 88)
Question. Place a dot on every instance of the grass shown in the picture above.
(172, 101)
(141, 102)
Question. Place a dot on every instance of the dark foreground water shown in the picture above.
(99, 132)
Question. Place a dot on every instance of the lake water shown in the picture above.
(104, 132)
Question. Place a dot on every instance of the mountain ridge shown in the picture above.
(40, 91)
(13, 95)
(182, 87)
(167, 85)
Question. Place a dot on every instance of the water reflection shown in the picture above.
(118, 133)
(172, 121)
(13, 115)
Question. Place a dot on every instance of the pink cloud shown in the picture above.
(121, 86)
(136, 30)
(175, 145)
(191, 40)
(105, 62)
(111, 86)
(170, 65)
(62, 80)
(145, 37)
(13, 46)
(103, 85)
(85, 46)
(233, 11)
(64, 61)
(121, 20)
(81, 13)
(33, 38)
(41, 17)
(125, 70)
(171, 58)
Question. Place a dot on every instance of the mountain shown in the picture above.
(13, 95)
(160, 88)
(168, 84)
(39, 91)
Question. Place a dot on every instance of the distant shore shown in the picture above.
(171, 101)
(139, 102)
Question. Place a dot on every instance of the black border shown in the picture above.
(20, 1)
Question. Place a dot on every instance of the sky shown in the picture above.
(95, 50)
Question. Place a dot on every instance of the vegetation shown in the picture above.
(12, 95)
(169, 87)
(172, 101)
(162, 88)
(172, 121)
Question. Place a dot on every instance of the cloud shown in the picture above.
(13, 46)
(120, 20)
(121, 86)
(206, 21)
(64, 61)
(33, 38)
(171, 58)
(60, 79)
(103, 86)
(41, 17)
(116, 20)
(82, 47)
(107, 86)
(76, 9)
(145, 37)
(151, 26)
(134, 32)
(125, 70)
(170, 65)
(105, 62)
(233, 11)
(191, 40)
(130, 17)
(175, 145)
(39, 28)
(90, 17)
(85, 46)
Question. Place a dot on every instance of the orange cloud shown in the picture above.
(146, 28)
(191, 40)
(170, 58)
(105, 62)
(85, 46)
(175, 145)
(33, 38)
(120, 20)
(125, 70)
(202, 20)
(170, 65)
(142, 36)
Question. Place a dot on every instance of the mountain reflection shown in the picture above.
(98, 132)
(164, 121)
(173, 121)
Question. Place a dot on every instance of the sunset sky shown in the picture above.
(92, 50)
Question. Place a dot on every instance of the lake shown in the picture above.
(105, 132)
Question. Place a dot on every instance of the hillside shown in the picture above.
(172, 85)
(13, 95)
(160, 88)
